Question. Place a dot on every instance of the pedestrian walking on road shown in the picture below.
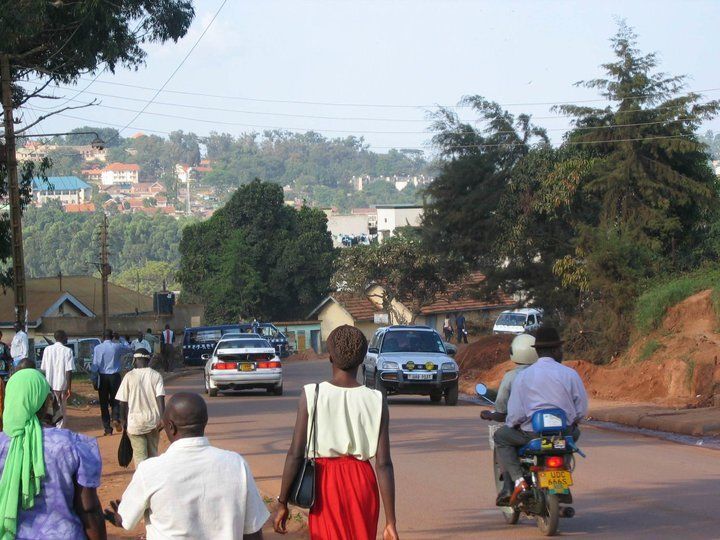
(447, 328)
(351, 428)
(140, 343)
(19, 347)
(106, 363)
(6, 363)
(58, 364)
(461, 330)
(167, 348)
(193, 490)
(142, 403)
(50, 476)
(151, 339)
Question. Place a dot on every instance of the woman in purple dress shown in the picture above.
(49, 475)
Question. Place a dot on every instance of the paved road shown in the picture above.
(630, 486)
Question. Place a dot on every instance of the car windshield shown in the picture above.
(204, 336)
(511, 319)
(412, 341)
(244, 344)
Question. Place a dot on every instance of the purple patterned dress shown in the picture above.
(69, 458)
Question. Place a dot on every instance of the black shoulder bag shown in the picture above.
(302, 493)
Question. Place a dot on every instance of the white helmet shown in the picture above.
(522, 350)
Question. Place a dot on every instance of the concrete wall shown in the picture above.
(352, 225)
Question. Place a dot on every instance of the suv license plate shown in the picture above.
(246, 367)
(420, 376)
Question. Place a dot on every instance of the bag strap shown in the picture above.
(313, 430)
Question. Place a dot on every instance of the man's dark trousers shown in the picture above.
(107, 388)
(507, 442)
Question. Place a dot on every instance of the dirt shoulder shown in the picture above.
(83, 416)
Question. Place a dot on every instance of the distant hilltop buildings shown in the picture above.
(36, 150)
(400, 182)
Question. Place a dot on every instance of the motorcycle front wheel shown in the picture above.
(548, 521)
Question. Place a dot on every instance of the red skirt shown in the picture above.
(347, 503)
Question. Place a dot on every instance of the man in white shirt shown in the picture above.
(140, 343)
(58, 364)
(19, 348)
(547, 384)
(193, 490)
(142, 404)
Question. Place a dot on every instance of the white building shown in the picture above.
(120, 173)
(66, 189)
(392, 216)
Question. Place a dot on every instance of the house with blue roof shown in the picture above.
(66, 189)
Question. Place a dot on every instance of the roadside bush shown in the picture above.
(652, 304)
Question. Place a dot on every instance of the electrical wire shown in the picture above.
(309, 116)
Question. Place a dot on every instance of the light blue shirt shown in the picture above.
(106, 357)
(546, 384)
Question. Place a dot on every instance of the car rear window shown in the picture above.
(244, 344)
(412, 341)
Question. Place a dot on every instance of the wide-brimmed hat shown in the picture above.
(547, 338)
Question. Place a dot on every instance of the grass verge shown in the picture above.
(652, 305)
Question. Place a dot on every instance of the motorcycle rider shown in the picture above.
(523, 354)
(544, 385)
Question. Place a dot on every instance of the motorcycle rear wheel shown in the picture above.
(511, 517)
(548, 523)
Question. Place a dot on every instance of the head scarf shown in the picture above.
(24, 468)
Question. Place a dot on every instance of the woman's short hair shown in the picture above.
(347, 347)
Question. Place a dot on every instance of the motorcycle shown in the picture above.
(547, 463)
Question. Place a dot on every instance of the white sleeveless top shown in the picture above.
(348, 421)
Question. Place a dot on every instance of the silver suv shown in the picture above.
(411, 360)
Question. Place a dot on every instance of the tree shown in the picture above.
(257, 257)
(60, 41)
(405, 269)
(148, 278)
(579, 229)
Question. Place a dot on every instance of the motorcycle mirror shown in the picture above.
(481, 389)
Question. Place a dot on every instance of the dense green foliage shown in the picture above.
(654, 302)
(257, 257)
(56, 241)
(62, 40)
(580, 229)
(149, 278)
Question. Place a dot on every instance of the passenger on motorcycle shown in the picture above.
(523, 354)
(544, 385)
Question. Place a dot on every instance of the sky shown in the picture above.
(376, 68)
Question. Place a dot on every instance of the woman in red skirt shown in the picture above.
(352, 428)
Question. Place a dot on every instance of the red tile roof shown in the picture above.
(358, 306)
(122, 167)
(91, 171)
(463, 297)
(75, 208)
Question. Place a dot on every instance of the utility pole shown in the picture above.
(105, 269)
(188, 190)
(13, 191)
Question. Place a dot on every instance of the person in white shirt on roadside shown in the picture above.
(193, 490)
(140, 343)
(58, 364)
(142, 403)
(19, 348)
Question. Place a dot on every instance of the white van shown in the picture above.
(518, 321)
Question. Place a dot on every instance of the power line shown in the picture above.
(167, 81)
(309, 116)
(383, 105)
(425, 147)
(352, 131)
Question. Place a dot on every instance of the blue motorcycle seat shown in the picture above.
(534, 447)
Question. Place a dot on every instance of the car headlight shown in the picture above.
(449, 366)
(389, 365)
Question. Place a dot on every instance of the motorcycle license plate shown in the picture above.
(555, 480)
(247, 367)
(420, 376)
